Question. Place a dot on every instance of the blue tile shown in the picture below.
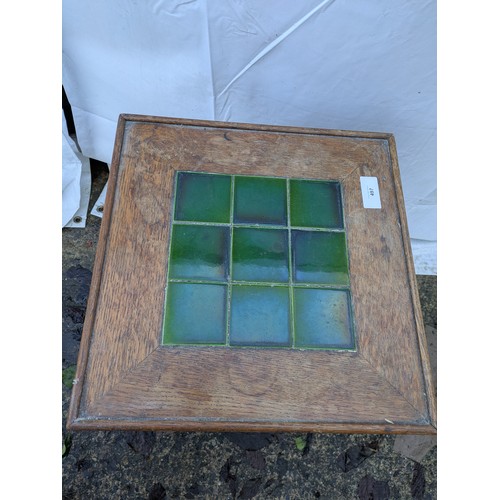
(322, 318)
(195, 314)
(260, 316)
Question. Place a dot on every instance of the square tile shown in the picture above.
(199, 252)
(260, 316)
(259, 200)
(315, 204)
(195, 314)
(322, 318)
(319, 257)
(260, 255)
(203, 197)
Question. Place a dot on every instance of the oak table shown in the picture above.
(253, 278)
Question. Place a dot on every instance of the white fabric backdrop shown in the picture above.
(345, 64)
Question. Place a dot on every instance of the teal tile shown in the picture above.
(315, 204)
(199, 252)
(319, 257)
(260, 200)
(259, 316)
(195, 314)
(203, 197)
(260, 254)
(322, 318)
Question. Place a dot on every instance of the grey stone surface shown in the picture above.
(414, 447)
(162, 465)
(431, 334)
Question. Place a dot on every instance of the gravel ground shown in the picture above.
(164, 465)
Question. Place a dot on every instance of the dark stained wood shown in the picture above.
(127, 380)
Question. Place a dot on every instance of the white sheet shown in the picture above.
(76, 181)
(345, 64)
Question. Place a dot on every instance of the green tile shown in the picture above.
(199, 252)
(260, 254)
(322, 318)
(315, 204)
(195, 314)
(259, 316)
(260, 200)
(203, 197)
(319, 257)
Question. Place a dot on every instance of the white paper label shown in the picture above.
(370, 192)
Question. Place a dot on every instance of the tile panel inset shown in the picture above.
(258, 262)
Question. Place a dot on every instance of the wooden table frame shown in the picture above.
(126, 380)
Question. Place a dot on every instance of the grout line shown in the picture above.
(189, 281)
(174, 201)
(326, 286)
(318, 229)
(200, 223)
(270, 284)
(352, 322)
(290, 264)
(259, 226)
(262, 347)
(220, 174)
(230, 277)
(350, 312)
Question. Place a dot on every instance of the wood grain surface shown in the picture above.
(127, 380)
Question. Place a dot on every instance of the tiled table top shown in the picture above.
(253, 278)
